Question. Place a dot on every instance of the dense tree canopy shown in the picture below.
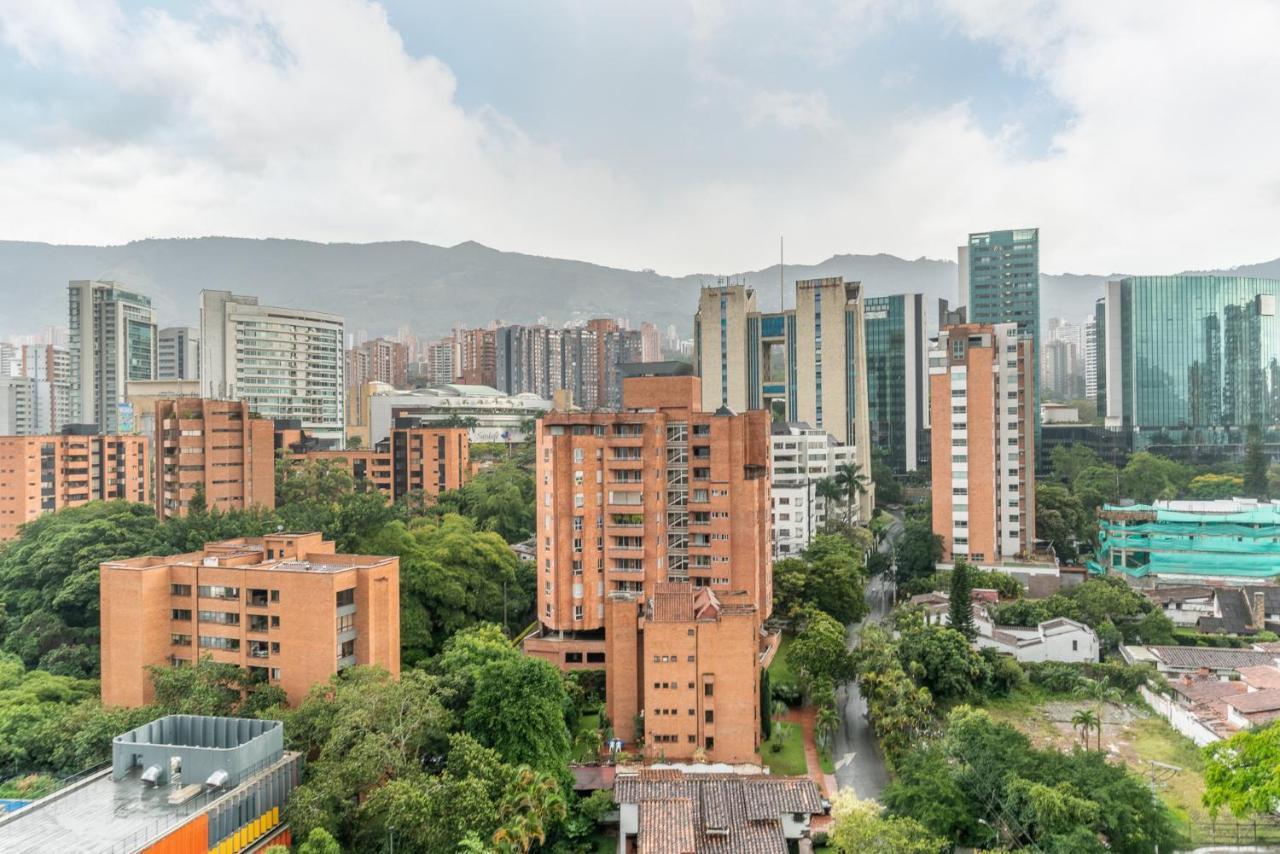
(499, 499)
(829, 575)
(1061, 519)
(1243, 772)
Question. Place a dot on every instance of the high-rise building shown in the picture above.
(442, 362)
(41, 474)
(479, 357)
(981, 393)
(179, 354)
(216, 448)
(20, 411)
(800, 458)
(1191, 361)
(645, 570)
(112, 341)
(286, 606)
(49, 365)
(415, 458)
(807, 364)
(378, 360)
(1002, 285)
(283, 362)
(897, 389)
(1089, 335)
(650, 343)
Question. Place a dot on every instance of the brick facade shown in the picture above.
(217, 445)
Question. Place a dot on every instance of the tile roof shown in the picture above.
(1215, 659)
(727, 813)
(1255, 701)
(1261, 676)
(1181, 593)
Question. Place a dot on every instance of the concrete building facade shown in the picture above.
(112, 341)
(178, 353)
(41, 474)
(283, 362)
(286, 606)
(981, 394)
(214, 447)
(643, 569)
(801, 457)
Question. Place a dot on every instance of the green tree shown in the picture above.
(820, 650)
(1097, 485)
(888, 489)
(1211, 485)
(533, 803)
(1243, 772)
(1085, 720)
(1060, 519)
(213, 688)
(518, 709)
(961, 610)
(319, 841)
(309, 493)
(499, 499)
(918, 551)
(831, 492)
(854, 483)
(942, 660)
(1147, 477)
(1156, 628)
(861, 827)
(1256, 463)
(1068, 461)
(835, 581)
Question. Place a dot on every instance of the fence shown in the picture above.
(1231, 831)
(1179, 718)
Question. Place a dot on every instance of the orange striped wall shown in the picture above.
(189, 838)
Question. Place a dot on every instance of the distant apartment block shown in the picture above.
(587, 361)
(215, 448)
(981, 393)
(286, 606)
(654, 562)
(442, 362)
(897, 388)
(801, 457)
(479, 350)
(41, 474)
(378, 360)
(179, 354)
(413, 459)
(807, 364)
(113, 340)
(283, 362)
(35, 391)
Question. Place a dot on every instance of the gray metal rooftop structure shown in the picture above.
(163, 775)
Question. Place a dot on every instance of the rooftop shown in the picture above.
(681, 812)
(280, 552)
(1261, 677)
(1194, 657)
(1255, 701)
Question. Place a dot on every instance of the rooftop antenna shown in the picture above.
(782, 285)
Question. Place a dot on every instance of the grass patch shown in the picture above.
(780, 668)
(788, 761)
(824, 760)
(1153, 739)
(583, 746)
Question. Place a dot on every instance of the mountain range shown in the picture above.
(380, 287)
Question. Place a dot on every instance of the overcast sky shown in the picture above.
(685, 136)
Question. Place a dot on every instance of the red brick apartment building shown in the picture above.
(217, 445)
(654, 563)
(41, 474)
(286, 606)
(982, 409)
(413, 458)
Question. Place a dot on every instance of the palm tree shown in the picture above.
(1085, 720)
(1100, 693)
(825, 726)
(532, 805)
(830, 491)
(854, 483)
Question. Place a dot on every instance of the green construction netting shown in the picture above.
(1245, 544)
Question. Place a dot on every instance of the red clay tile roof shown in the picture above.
(1255, 701)
(1261, 676)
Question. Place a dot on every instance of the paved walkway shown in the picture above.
(804, 718)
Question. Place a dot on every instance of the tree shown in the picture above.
(1211, 485)
(532, 804)
(308, 493)
(825, 725)
(961, 611)
(1156, 628)
(1096, 485)
(1147, 477)
(830, 491)
(1060, 519)
(1068, 461)
(918, 551)
(942, 660)
(854, 482)
(820, 650)
(518, 709)
(1085, 720)
(319, 841)
(827, 576)
(861, 827)
(499, 499)
(1243, 772)
(888, 490)
(1256, 463)
(213, 688)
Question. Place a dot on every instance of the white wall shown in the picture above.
(1179, 718)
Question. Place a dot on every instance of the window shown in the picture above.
(223, 618)
(709, 717)
(210, 642)
(709, 689)
(181, 614)
(218, 592)
(577, 612)
(275, 595)
(257, 622)
(275, 622)
(275, 647)
(257, 597)
(346, 597)
(1075, 646)
(180, 640)
(347, 649)
(346, 623)
(179, 589)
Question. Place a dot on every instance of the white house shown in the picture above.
(1059, 639)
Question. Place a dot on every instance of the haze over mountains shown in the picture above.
(381, 286)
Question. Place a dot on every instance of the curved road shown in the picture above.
(859, 763)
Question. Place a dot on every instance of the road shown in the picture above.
(859, 763)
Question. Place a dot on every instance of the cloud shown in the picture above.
(312, 119)
(791, 110)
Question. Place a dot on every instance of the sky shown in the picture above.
(680, 135)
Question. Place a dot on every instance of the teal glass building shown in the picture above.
(1191, 361)
(897, 381)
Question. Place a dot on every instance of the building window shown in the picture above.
(709, 717)
(257, 598)
(210, 642)
(346, 623)
(218, 592)
(179, 589)
(708, 689)
(275, 595)
(346, 597)
(181, 614)
(180, 640)
(275, 622)
(223, 618)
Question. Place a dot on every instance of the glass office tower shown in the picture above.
(896, 383)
